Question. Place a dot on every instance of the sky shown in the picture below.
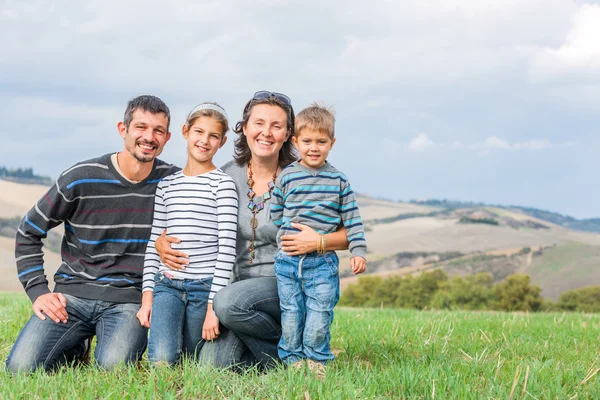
(478, 100)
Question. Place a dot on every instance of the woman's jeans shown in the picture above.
(249, 311)
(309, 289)
(178, 313)
(47, 344)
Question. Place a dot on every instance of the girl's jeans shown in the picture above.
(309, 289)
(178, 313)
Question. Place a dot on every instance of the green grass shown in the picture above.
(383, 354)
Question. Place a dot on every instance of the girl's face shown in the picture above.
(266, 130)
(204, 138)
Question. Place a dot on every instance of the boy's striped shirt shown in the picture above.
(320, 198)
(201, 211)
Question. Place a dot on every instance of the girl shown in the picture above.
(199, 205)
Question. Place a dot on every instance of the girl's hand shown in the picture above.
(210, 329)
(302, 242)
(173, 259)
(145, 312)
(358, 265)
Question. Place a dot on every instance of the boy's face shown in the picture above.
(313, 146)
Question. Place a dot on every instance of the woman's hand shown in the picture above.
(210, 329)
(176, 260)
(302, 242)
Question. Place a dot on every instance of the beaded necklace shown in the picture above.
(255, 208)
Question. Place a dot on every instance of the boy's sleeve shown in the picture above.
(277, 202)
(227, 217)
(159, 224)
(352, 222)
(51, 210)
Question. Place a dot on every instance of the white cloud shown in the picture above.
(420, 143)
(494, 142)
(579, 54)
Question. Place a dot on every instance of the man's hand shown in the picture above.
(53, 305)
(358, 265)
(210, 329)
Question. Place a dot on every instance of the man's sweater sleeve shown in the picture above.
(352, 222)
(52, 209)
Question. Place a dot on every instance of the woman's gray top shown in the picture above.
(265, 235)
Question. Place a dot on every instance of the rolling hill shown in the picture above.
(409, 237)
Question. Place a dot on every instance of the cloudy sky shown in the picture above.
(482, 100)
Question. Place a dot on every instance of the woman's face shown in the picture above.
(266, 130)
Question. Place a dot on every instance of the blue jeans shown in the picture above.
(178, 313)
(309, 289)
(47, 344)
(249, 311)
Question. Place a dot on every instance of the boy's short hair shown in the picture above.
(316, 117)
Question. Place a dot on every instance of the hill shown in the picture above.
(409, 237)
(587, 225)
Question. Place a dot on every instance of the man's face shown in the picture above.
(146, 135)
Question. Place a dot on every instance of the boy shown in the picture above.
(312, 192)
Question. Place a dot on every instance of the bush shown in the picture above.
(517, 293)
(472, 293)
(585, 299)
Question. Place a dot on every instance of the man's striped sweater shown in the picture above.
(107, 222)
(320, 198)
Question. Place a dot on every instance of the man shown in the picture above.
(106, 205)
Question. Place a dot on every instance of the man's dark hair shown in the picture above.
(151, 104)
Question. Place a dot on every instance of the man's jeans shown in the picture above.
(249, 311)
(178, 313)
(47, 344)
(309, 289)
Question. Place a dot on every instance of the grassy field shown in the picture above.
(382, 354)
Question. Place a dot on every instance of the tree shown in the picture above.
(585, 299)
(517, 293)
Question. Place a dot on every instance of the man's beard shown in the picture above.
(145, 158)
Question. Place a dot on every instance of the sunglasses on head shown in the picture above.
(265, 94)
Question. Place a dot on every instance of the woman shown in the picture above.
(249, 306)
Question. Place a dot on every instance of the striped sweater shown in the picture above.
(107, 222)
(202, 211)
(320, 198)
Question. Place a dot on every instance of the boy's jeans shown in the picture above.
(47, 344)
(178, 313)
(309, 289)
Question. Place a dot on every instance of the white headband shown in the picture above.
(208, 106)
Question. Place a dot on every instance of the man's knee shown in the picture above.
(22, 361)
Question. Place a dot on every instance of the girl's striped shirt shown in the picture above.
(201, 211)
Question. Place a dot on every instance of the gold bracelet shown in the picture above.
(324, 245)
(319, 245)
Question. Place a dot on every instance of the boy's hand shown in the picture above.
(210, 329)
(358, 264)
(145, 312)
